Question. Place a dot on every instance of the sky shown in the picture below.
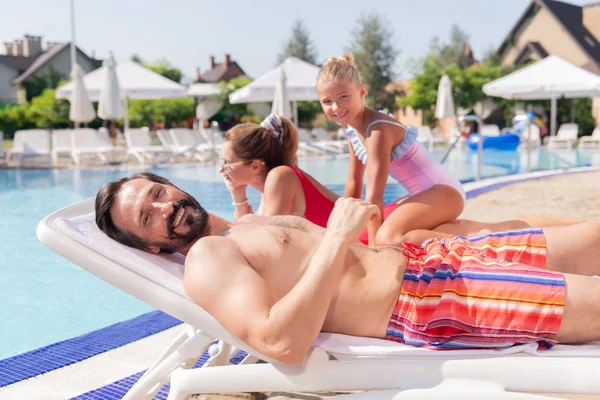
(187, 32)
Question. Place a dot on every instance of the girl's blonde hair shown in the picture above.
(342, 68)
(274, 141)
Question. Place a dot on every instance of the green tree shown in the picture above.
(466, 85)
(164, 68)
(375, 57)
(299, 45)
(231, 114)
(46, 111)
(151, 112)
(136, 58)
(582, 114)
(143, 113)
(307, 111)
(454, 52)
(13, 118)
(37, 84)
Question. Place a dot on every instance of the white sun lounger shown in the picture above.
(428, 139)
(335, 363)
(93, 143)
(308, 146)
(565, 137)
(139, 145)
(32, 143)
(325, 141)
(590, 142)
(490, 130)
(62, 144)
(2, 144)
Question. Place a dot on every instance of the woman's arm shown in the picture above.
(281, 186)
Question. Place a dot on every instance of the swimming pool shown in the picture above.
(45, 299)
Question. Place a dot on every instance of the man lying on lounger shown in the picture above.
(276, 282)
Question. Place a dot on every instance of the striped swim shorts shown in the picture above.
(455, 296)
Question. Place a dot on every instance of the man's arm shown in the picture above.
(219, 278)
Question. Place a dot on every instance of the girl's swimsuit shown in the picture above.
(411, 165)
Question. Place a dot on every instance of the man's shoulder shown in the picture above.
(209, 263)
(211, 247)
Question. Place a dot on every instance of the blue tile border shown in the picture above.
(58, 355)
(118, 389)
(61, 354)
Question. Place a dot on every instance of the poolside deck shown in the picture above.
(573, 195)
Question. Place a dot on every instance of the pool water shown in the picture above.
(45, 299)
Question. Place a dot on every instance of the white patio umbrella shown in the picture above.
(281, 104)
(301, 78)
(444, 106)
(203, 90)
(135, 81)
(110, 100)
(110, 104)
(548, 79)
(207, 102)
(81, 109)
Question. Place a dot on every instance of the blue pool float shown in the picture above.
(504, 141)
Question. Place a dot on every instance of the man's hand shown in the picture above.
(350, 216)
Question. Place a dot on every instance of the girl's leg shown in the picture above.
(466, 227)
(416, 215)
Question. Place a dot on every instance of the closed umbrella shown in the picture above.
(281, 104)
(444, 107)
(300, 85)
(81, 110)
(110, 105)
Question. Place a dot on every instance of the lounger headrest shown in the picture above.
(164, 269)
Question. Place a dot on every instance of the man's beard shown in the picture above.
(196, 221)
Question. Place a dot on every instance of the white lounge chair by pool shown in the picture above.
(88, 142)
(190, 143)
(325, 141)
(1, 144)
(590, 142)
(490, 130)
(166, 140)
(565, 137)
(139, 145)
(335, 362)
(62, 144)
(214, 137)
(33, 144)
(308, 146)
(428, 139)
(536, 137)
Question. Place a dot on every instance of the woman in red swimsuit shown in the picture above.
(264, 157)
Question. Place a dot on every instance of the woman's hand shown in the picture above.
(238, 191)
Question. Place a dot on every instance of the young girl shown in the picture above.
(435, 197)
(264, 157)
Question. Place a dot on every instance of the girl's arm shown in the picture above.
(356, 172)
(379, 148)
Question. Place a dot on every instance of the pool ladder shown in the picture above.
(473, 118)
